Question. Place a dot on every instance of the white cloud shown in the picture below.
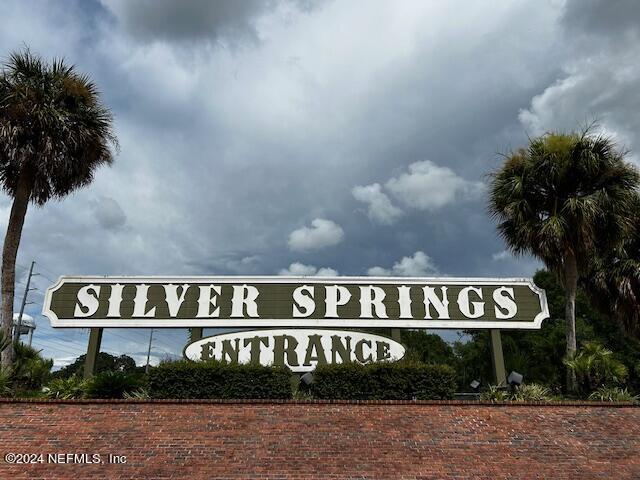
(59, 362)
(428, 186)
(579, 98)
(298, 269)
(154, 358)
(322, 233)
(599, 81)
(418, 265)
(380, 209)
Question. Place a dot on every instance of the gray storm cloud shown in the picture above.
(226, 152)
(108, 213)
(188, 20)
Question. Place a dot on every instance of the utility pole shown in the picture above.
(146, 370)
(16, 335)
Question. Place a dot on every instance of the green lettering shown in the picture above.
(255, 347)
(207, 351)
(285, 344)
(382, 350)
(315, 344)
(360, 354)
(337, 348)
(230, 351)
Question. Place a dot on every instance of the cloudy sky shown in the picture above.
(311, 137)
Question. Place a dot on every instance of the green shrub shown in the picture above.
(30, 370)
(140, 393)
(383, 381)
(66, 388)
(531, 392)
(613, 394)
(112, 384)
(495, 394)
(595, 366)
(5, 384)
(186, 379)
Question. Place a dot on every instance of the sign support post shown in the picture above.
(497, 358)
(395, 334)
(95, 339)
(195, 333)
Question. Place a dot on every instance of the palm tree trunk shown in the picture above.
(9, 254)
(571, 286)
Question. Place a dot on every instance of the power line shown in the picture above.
(76, 349)
(161, 342)
(50, 346)
(45, 276)
(67, 343)
(42, 267)
(128, 339)
(143, 336)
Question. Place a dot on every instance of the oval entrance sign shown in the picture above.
(300, 349)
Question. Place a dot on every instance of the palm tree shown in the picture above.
(613, 280)
(595, 366)
(54, 133)
(562, 198)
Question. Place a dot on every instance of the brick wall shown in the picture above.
(322, 440)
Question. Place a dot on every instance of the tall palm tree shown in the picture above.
(560, 199)
(613, 280)
(54, 133)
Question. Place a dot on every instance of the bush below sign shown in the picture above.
(384, 381)
(212, 379)
(301, 350)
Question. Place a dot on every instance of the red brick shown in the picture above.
(299, 440)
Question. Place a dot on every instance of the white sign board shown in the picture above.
(299, 349)
(321, 302)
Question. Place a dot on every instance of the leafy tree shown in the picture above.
(562, 198)
(539, 354)
(54, 134)
(104, 363)
(427, 347)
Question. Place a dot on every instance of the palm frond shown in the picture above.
(52, 124)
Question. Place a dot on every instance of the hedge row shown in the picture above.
(350, 381)
(384, 381)
(186, 379)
